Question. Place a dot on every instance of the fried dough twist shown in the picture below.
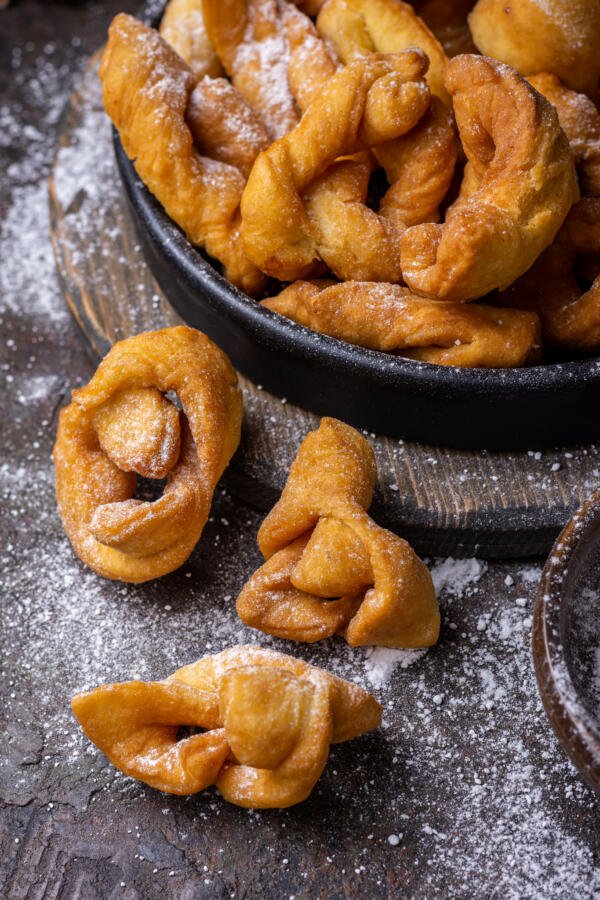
(350, 237)
(570, 316)
(419, 165)
(224, 126)
(558, 36)
(146, 90)
(121, 424)
(182, 26)
(353, 240)
(339, 194)
(320, 543)
(368, 102)
(269, 720)
(519, 185)
(390, 318)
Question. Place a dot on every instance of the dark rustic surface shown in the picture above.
(444, 501)
(465, 776)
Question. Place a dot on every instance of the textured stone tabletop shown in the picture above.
(464, 792)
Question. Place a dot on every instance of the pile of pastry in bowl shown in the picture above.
(423, 179)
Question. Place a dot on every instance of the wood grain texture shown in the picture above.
(455, 502)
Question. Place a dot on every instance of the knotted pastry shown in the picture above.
(122, 424)
(570, 316)
(580, 120)
(319, 543)
(224, 126)
(419, 165)
(370, 101)
(558, 36)
(146, 88)
(390, 318)
(366, 245)
(519, 185)
(269, 720)
(352, 239)
(182, 26)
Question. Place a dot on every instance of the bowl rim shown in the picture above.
(571, 721)
(379, 367)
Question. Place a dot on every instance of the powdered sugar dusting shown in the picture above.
(27, 275)
(451, 578)
(382, 662)
(260, 68)
(454, 575)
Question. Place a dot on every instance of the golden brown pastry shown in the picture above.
(419, 165)
(310, 62)
(366, 243)
(224, 126)
(146, 87)
(335, 106)
(249, 38)
(352, 239)
(122, 424)
(269, 720)
(390, 318)
(580, 120)
(182, 26)
(519, 185)
(361, 27)
(558, 36)
(329, 568)
(372, 100)
(570, 315)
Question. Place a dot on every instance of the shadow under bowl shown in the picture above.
(538, 406)
(566, 639)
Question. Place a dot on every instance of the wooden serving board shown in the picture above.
(447, 502)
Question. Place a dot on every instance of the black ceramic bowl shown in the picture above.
(471, 408)
(566, 639)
